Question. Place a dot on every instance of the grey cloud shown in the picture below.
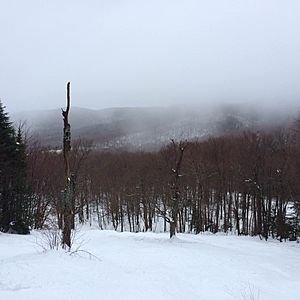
(144, 53)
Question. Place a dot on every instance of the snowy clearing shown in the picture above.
(149, 266)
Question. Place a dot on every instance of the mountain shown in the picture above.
(132, 128)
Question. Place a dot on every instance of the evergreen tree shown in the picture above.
(14, 193)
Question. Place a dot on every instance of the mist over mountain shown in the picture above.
(149, 128)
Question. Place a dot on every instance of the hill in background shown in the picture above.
(149, 128)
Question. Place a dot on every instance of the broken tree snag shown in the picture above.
(67, 127)
(67, 198)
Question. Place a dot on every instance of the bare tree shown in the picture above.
(173, 156)
(69, 182)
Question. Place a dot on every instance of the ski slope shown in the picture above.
(112, 265)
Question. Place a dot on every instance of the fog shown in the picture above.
(149, 53)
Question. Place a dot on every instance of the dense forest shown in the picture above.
(246, 183)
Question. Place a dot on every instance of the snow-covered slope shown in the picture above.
(150, 266)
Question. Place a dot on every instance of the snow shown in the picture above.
(113, 265)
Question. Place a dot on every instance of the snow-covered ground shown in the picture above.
(149, 266)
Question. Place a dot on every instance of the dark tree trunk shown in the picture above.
(67, 199)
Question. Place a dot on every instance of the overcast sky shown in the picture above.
(148, 53)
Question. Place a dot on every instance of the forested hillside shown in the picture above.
(150, 128)
(247, 183)
(244, 182)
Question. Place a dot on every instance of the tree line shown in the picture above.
(246, 183)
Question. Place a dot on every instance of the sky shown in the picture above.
(120, 53)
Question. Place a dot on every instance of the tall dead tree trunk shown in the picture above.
(67, 199)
